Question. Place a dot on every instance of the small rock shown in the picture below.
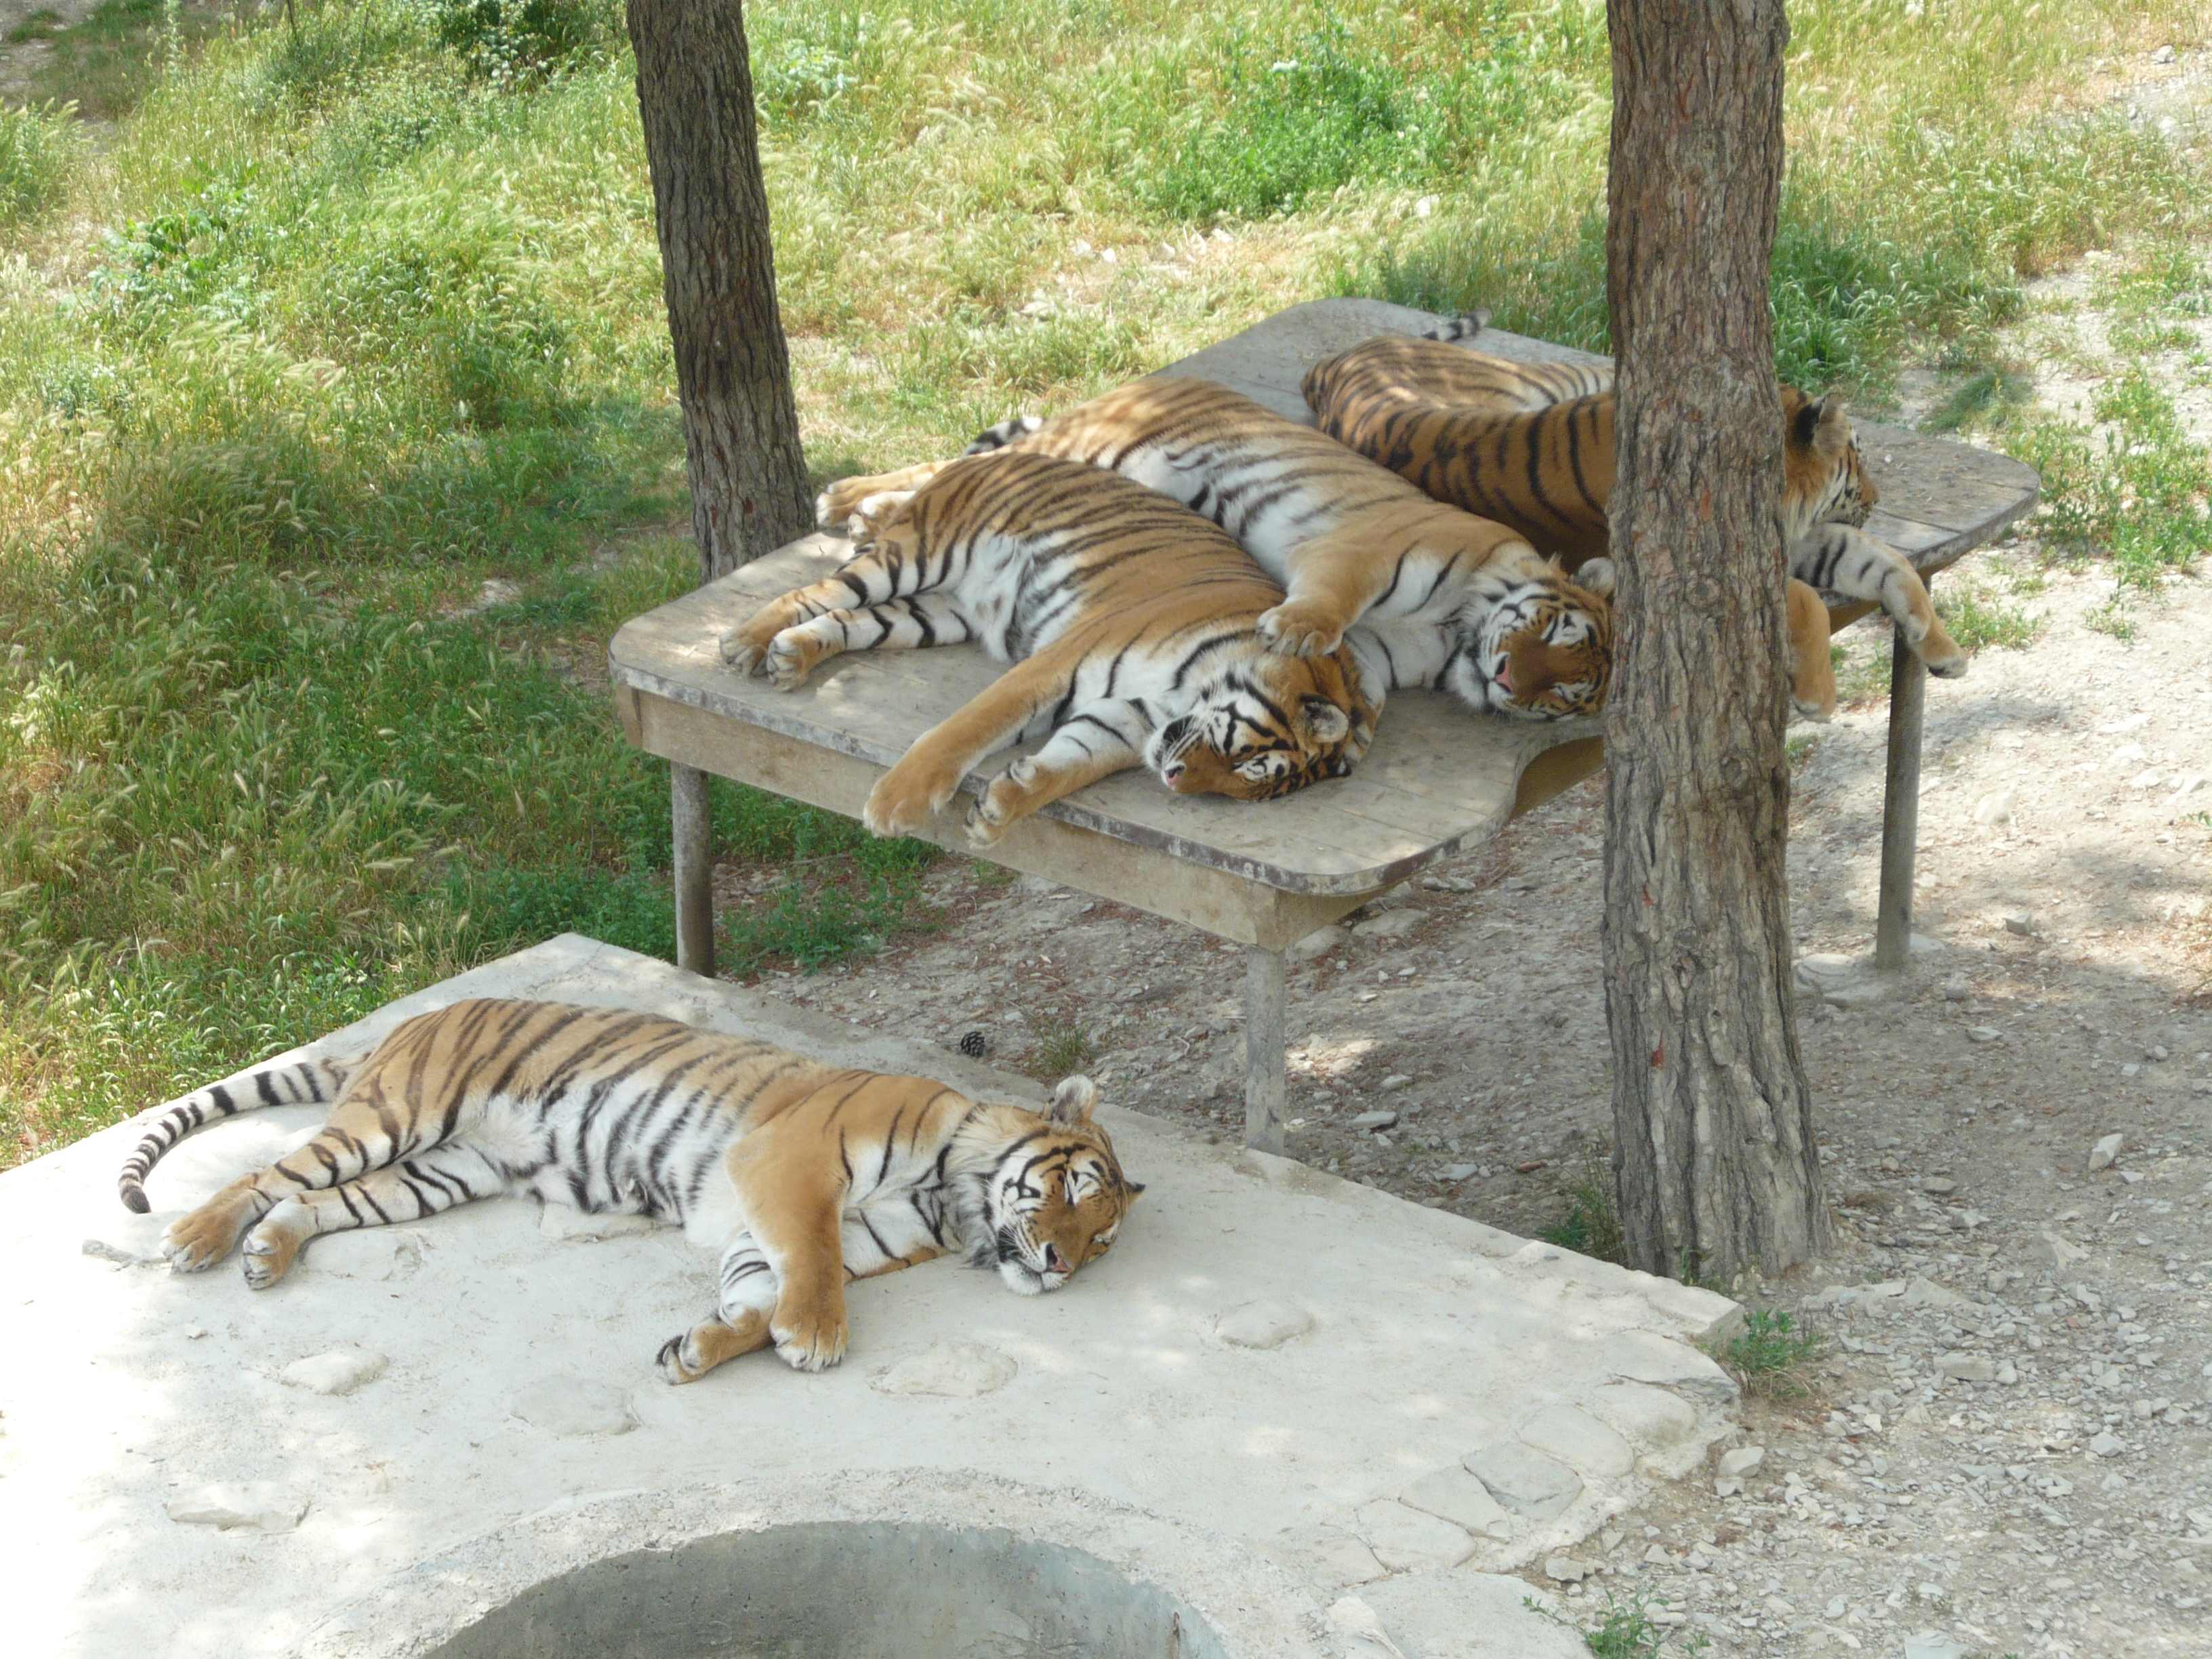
(1369, 1122)
(2156, 1051)
(2163, 55)
(1408, 1541)
(1565, 1569)
(1996, 807)
(256, 1504)
(194, 1333)
(1938, 1186)
(1727, 1487)
(1268, 1323)
(1742, 1461)
(1458, 1172)
(1394, 1082)
(1656, 1556)
(2103, 1153)
(2007, 1374)
(1957, 988)
(1968, 1368)
(2107, 1444)
(949, 1368)
(340, 1372)
(1983, 1034)
(2019, 921)
(1391, 924)
(2050, 1251)
(1319, 943)
(1934, 1645)
(569, 1407)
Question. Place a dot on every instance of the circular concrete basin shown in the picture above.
(839, 1589)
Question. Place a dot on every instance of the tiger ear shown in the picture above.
(1071, 1101)
(1325, 722)
(1823, 426)
(1597, 576)
(1131, 1190)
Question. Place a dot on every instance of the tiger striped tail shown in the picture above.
(295, 1083)
(1465, 326)
(999, 436)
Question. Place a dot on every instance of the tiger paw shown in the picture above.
(1949, 663)
(792, 656)
(746, 648)
(196, 1243)
(1299, 627)
(906, 798)
(680, 1361)
(811, 1344)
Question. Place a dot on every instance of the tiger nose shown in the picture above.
(1171, 771)
(1055, 1262)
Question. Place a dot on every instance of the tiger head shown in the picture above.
(1265, 725)
(1543, 649)
(1055, 1198)
(1823, 479)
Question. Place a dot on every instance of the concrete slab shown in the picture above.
(1278, 1381)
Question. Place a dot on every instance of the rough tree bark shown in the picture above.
(694, 94)
(1713, 1150)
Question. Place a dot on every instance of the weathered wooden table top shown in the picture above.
(1438, 778)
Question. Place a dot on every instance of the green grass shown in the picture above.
(1062, 1046)
(1626, 1629)
(1591, 1226)
(1772, 1357)
(1975, 615)
(304, 334)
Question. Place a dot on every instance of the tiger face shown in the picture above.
(1269, 725)
(1544, 651)
(1824, 480)
(1056, 1198)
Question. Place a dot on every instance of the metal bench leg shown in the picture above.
(1900, 807)
(1263, 1050)
(694, 838)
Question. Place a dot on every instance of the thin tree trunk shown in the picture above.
(1713, 1150)
(694, 94)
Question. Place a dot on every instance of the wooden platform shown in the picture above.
(1438, 778)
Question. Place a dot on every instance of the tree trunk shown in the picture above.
(1718, 1166)
(694, 94)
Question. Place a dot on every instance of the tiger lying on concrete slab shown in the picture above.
(1474, 608)
(1531, 445)
(803, 1175)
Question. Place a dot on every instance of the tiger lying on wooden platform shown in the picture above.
(805, 1176)
(1531, 445)
(1131, 624)
(1445, 598)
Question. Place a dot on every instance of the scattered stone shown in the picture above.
(1957, 988)
(2102, 1155)
(1741, 1461)
(1409, 1540)
(1458, 1172)
(1996, 807)
(1391, 924)
(570, 1408)
(340, 1372)
(1525, 1481)
(562, 1221)
(1579, 1441)
(1968, 1368)
(1319, 943)
(1983, 1034)
(1565, 1569)
(1938, 1186)
(1456, 1496)
(949, 1368)
(1656, 1556)
(257, 1504)
(1934, 1645)
(1727, 1487)
(194, 1333)
(2050, 1251)
(1394, 1082)
(1369, 1122)
(2107, 1444)
(2156, 1051)
(2021, 923)
(2163, 55)
(1268, 1323)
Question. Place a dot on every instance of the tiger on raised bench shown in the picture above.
(1531, 445)
(1130, 622)
(1440, 597)
(805, 1176)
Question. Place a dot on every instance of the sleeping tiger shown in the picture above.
(805, 1176)
(1442, 598)
(1130, 622)
(1531, 443)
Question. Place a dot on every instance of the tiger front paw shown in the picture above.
(907, 797)
(1299, 627)
(813, 1341)
(744, 649)
(1944, 660)
(272, 1248)
(1004, 803)
(791, 656)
